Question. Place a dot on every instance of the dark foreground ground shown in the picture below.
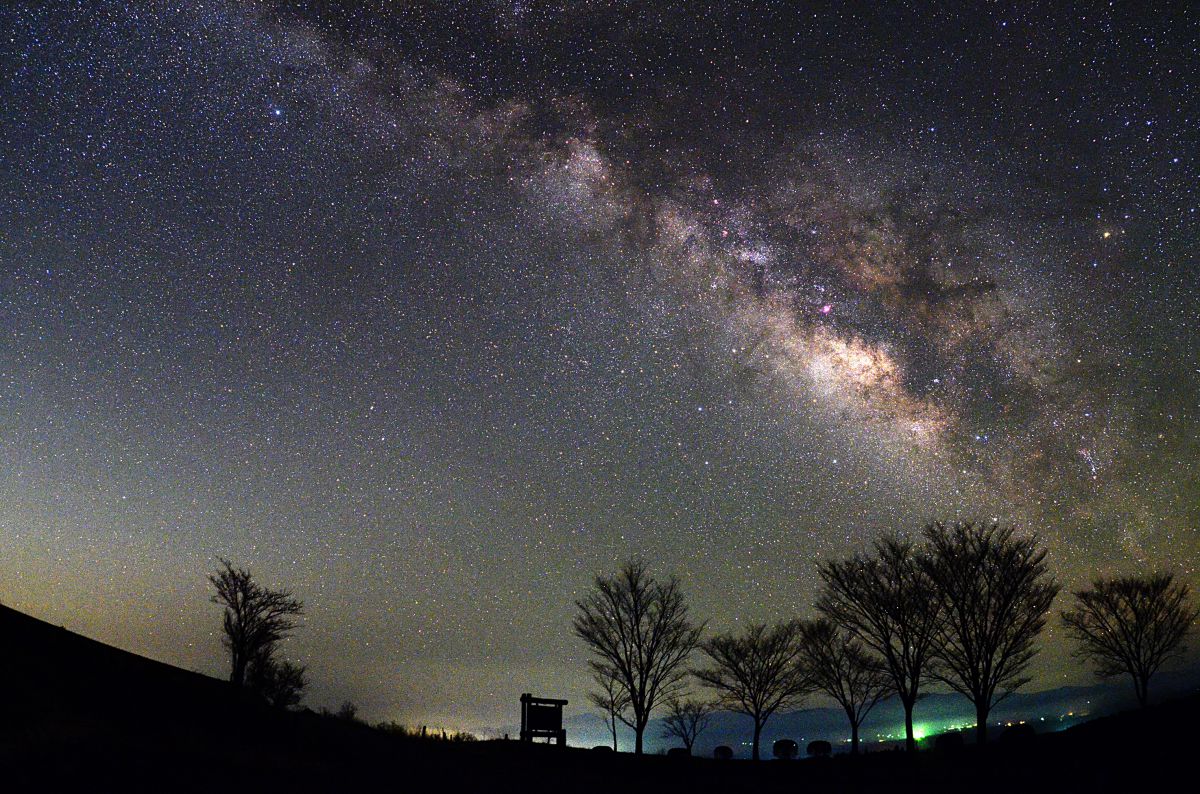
(79, 715)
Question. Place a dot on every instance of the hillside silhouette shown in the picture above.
(79, 713)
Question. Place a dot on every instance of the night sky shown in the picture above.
(433, 311)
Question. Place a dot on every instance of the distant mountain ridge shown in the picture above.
(1051, 709)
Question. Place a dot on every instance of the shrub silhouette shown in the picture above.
(785, 749)
(1022, 733)
(820, 749)
(279, 683)
(948, 742)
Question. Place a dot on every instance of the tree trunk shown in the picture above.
(853, 738)
(757, 736)
(910, 743)
(614, 730)
(981, 715)
(1141, 685)
(637, 742)
(237, 673)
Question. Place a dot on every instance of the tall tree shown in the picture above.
(757, 672)
(256, 618)
(996, 593)
(841, 667)
(612, 699)
(884, 600)
(686, 720)
(639, 633)
(1131, 624)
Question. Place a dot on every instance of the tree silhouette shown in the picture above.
(612, 699)
(1131, 624)
(638, 630)
(884, 601)
(841, 667)
(995, 592)
(686, 720)
(757, 672)
(256, 619)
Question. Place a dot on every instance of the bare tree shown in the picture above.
(1131, 624)
(757, 672)
(841, 667)
(638, 630)
(686, 720)
(256, 618)
(612, 699)
(996, 592)
(884, 601)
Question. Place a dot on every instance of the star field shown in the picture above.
(430, 312)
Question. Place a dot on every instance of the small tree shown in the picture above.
(256, 619)
(638, 630)
(757, 672)
(686, 720)
(996, 592)
(842, 668)
(885, 601)
(1131, 624)
(612, 699)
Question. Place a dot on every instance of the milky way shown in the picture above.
(432, 313)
